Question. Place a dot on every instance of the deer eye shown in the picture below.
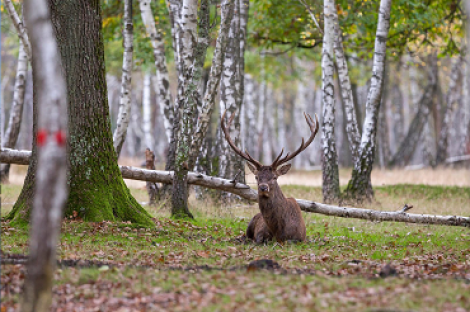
(256, 178)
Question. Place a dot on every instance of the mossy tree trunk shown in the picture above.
(97, 190)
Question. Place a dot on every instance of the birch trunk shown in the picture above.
(147, 113)
(187, 41)
(230, 99)
(245, 191)
(261, 119)
(16, 110)
(300, 106)
(360, 187)
(19, 26)
(330, 188)
(397, 109)
(408, 145)
(451, 99)
(464, 140)
(281, 123)
(51, 177)
(250, 105)
(352, 128)
(163, 80)
(208, 102)
(125, 96)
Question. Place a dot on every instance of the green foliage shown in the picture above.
(112, 33)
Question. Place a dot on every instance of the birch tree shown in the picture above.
(451, 98)
(191, 55)
(410, 142)
(352, 128)
(51, 177)
(360, 187)
(126, 77)
(208, 101)
(163, 81)
(330, 190)
(96, 186)
(464, 130)
(147, 113)
(231, 99)
(19, 26)
(16, 111)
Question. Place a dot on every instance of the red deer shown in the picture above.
(280, 217)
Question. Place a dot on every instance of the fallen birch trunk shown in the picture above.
(246, 192)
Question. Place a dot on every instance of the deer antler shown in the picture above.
(245, 154)
(314, 126)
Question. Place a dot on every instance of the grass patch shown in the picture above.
(336, 269)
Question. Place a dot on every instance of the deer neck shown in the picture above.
(272, 208)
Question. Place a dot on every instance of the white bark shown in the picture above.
(242, 190)
(51, 177)
(147, 113)
(465, 123)
(16, 110)
(360, 186)
(300, 106)
(352, 128)
(375, 92)
(19, 26)
(250, 105)
(214, 79)
(230, 97)
(158, 45)
(261, 119)
(330, 159)
(281, 123)
(125, 97)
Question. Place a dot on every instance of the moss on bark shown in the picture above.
(97, 190)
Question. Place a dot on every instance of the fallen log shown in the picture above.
(244, 191)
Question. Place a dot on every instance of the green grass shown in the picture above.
(336, 269)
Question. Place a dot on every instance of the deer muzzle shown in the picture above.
(263, 188)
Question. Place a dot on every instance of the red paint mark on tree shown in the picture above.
(60, 137)
(42, 137)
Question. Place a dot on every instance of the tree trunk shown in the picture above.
(360, 186)
(152, 187)
(261, 118)
(464, 140)
(204, 117)
(51, 188)
(97, 191)
(331, 190)
(352, 128)
(408, 145)
(16, 110)
(187, 42)
(451, 98)
(250, 108)
(230, 99)
(147, 113)
(125, 97)
(19, 26)
(163, 80)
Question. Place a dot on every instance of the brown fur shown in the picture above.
(280, 217)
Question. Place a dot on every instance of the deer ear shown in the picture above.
(283, 170)
(252, 168)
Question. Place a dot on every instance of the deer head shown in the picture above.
(266, 176)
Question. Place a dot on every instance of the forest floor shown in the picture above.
(204, 264)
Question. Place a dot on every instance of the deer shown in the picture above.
(279, 218)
